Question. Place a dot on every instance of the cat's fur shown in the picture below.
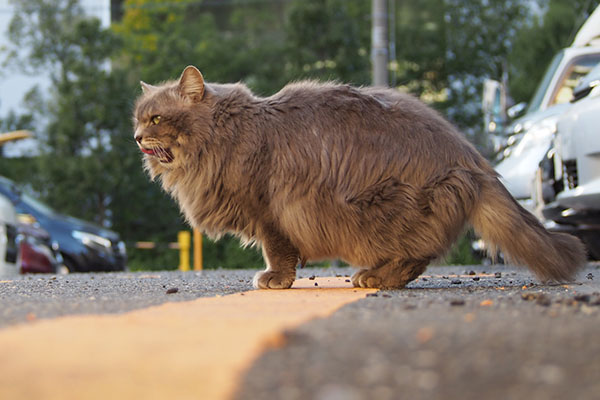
(321, 170)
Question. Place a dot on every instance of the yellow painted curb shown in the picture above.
(179, 350)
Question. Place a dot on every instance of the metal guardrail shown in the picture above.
(184, 245)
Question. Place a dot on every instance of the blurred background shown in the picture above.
(70, 72)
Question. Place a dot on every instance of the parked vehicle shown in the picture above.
(529, 137)
(83, 246)
(38, 253)
(9, 250)
(568, 182)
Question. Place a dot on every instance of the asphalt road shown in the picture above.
(488, 332)
(27, 297)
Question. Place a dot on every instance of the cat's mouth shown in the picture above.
(164, 155)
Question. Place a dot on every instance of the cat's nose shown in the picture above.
(138, 136)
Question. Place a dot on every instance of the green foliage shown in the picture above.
(540, 40)
(159, 259)
(225, 253)
(328, 40)
(89, 165)
(479, 39)
(19, 169)
(421, 48)
(12, 122)
(228, 253)
(446, 48)
(161, 40)
(462, 253)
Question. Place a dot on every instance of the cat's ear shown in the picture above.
(191, 84)
(146, 88)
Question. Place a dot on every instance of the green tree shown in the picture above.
(328, 39)
(538, 41)
(228, 42)
(74, 49)
(12, 122)
(89, 165)
(420, 36)
(479, 39)
(160, 38)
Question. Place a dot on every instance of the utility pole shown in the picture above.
(379, 42)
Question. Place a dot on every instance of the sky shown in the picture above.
(13, 84)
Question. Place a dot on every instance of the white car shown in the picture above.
(569, 181)
(9, 249)
(532, 134)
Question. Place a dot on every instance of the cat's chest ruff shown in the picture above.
(213, 209)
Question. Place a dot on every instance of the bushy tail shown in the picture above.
(503, 223)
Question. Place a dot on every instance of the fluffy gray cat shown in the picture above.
(320, 171)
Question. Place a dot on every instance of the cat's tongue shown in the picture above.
(147, 151)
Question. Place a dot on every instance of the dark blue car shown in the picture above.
(84, 246)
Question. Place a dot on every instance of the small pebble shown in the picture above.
(312, 278)
(543, 300)
(471, 272)
(476, 278)
(528, 296)
(316, 284)
(457, 302)
(498, 275)
(590, 276)
(172, 290)
(584, 298)
(456, 281)
(371, 294)
(347, 280)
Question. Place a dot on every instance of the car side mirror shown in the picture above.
(516, 110)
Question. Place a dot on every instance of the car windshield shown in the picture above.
(37, 205)
(536, 100)
(578, 68)
(585, 82)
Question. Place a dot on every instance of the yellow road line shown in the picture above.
(179, 350)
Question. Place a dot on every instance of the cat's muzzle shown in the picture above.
(164, 155)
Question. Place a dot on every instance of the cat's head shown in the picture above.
(167, 119)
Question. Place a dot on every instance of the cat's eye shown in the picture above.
(155, 120)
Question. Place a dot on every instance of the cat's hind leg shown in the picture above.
(281, 257)
(394, 274)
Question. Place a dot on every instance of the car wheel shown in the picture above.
(62, 269)
(69, 264)
(591, 239)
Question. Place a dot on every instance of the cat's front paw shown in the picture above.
(273, 280)
(366, 278)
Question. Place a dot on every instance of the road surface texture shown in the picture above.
(488, 332)
(449, 337)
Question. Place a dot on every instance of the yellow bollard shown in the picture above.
(197, 250)
(184, 239)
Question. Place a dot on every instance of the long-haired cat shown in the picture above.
(321, 170)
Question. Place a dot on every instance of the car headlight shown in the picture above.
(122, 248)
(91, 240)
